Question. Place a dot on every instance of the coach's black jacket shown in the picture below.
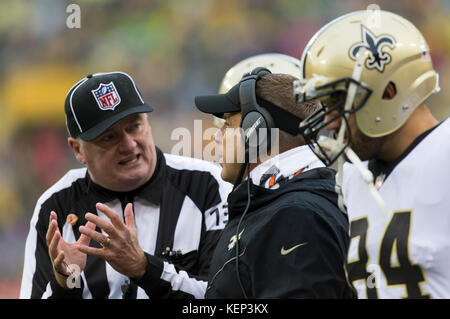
(302, 211)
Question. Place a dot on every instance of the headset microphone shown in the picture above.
(249, 183)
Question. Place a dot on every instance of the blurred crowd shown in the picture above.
(174, 50)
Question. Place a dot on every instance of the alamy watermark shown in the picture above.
(224, 145)
(73, 20)
(74, 279)
(373, 280)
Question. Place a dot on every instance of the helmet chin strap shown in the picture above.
(333, 146)
(368, 178)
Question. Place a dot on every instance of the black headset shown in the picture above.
(256, 121)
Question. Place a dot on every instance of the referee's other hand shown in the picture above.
(120, 246)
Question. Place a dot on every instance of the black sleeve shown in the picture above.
(299, 254)
(162, 280)
(59, 292)
(207, 246)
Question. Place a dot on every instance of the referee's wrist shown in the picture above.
(60, 290)
(141, 268)
(62, 279)
(59, 273)
(153, 272)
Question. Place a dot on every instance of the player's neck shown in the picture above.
(420, 121)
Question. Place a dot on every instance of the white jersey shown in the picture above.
(407, 253)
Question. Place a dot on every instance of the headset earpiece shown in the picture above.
(256, 122)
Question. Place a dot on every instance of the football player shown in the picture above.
(372, 73)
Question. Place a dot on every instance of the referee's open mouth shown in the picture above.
(130, 160)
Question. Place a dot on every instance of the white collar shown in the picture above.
(284, 166)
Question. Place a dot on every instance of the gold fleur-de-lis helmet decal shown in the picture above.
(377, 58)
(396, 55)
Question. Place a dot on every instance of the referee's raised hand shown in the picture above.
(120, 248)
(63, 254)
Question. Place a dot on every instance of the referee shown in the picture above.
(135, 222)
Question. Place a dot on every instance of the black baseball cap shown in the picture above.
(218, 104)
(100, 100)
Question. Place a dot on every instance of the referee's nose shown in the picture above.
(127, 142)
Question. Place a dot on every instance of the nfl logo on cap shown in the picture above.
(87, 100)
(106, 96)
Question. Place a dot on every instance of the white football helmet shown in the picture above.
(393, 53)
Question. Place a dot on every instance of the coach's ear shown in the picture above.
(75, 145)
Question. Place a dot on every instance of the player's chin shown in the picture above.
(365, 150)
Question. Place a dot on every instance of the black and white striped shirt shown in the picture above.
(182, 208)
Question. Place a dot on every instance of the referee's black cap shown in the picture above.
(100, 100)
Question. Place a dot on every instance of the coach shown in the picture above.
(135, 223)
(286, 237)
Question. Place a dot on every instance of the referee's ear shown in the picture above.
(75, 145)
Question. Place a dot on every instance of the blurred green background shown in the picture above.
(174, 49)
